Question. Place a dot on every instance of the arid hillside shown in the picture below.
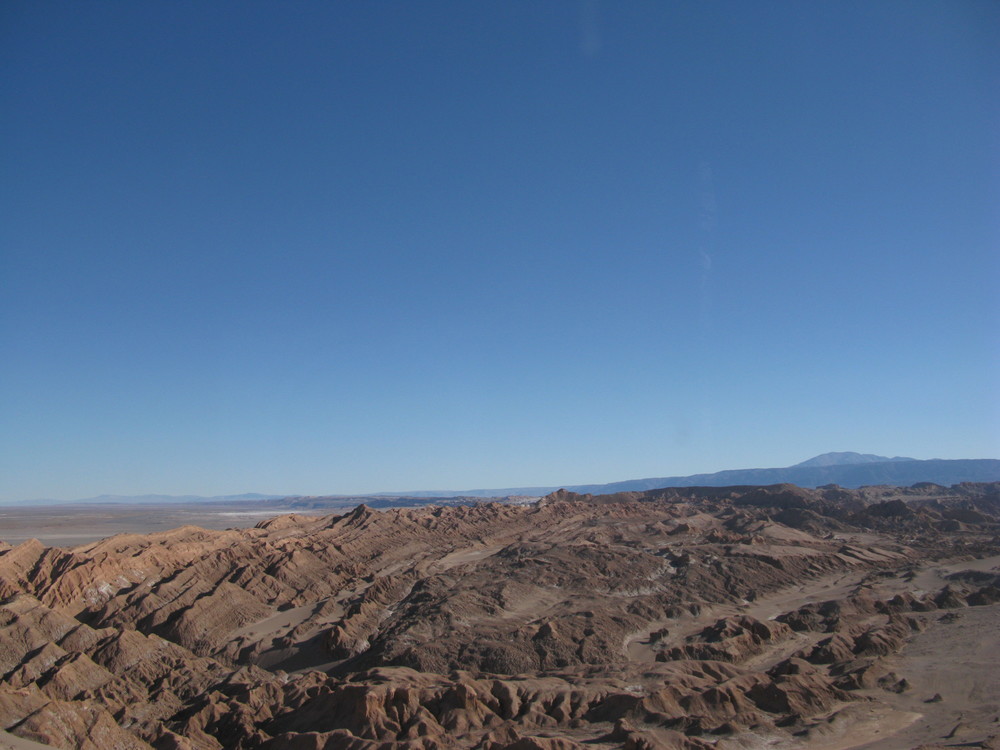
(738, 617)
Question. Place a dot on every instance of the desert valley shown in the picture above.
(725, 617)
(429, 375)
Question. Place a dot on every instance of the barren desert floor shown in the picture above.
(72, 525)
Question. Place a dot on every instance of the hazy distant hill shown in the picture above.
(846, 469)
(891, 472)
(846, 458)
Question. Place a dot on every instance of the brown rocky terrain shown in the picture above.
(737, 617)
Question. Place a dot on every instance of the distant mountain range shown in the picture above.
(848, 458)
(846, 469)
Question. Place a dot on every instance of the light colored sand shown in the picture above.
(463, 556)
(74, 525)
(13, 742)
(961, 662)
(281, 622)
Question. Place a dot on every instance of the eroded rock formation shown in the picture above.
(673, 618)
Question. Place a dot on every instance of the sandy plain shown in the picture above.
(66, 525)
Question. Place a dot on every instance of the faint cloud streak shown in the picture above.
(707, 210)
(590, 28)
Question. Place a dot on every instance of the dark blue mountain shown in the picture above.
(846, 469)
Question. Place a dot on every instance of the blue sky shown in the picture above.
(355, 247)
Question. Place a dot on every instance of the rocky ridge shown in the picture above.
(682, 618)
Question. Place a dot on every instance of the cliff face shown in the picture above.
(661, 619)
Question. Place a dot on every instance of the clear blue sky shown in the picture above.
(372, 246)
